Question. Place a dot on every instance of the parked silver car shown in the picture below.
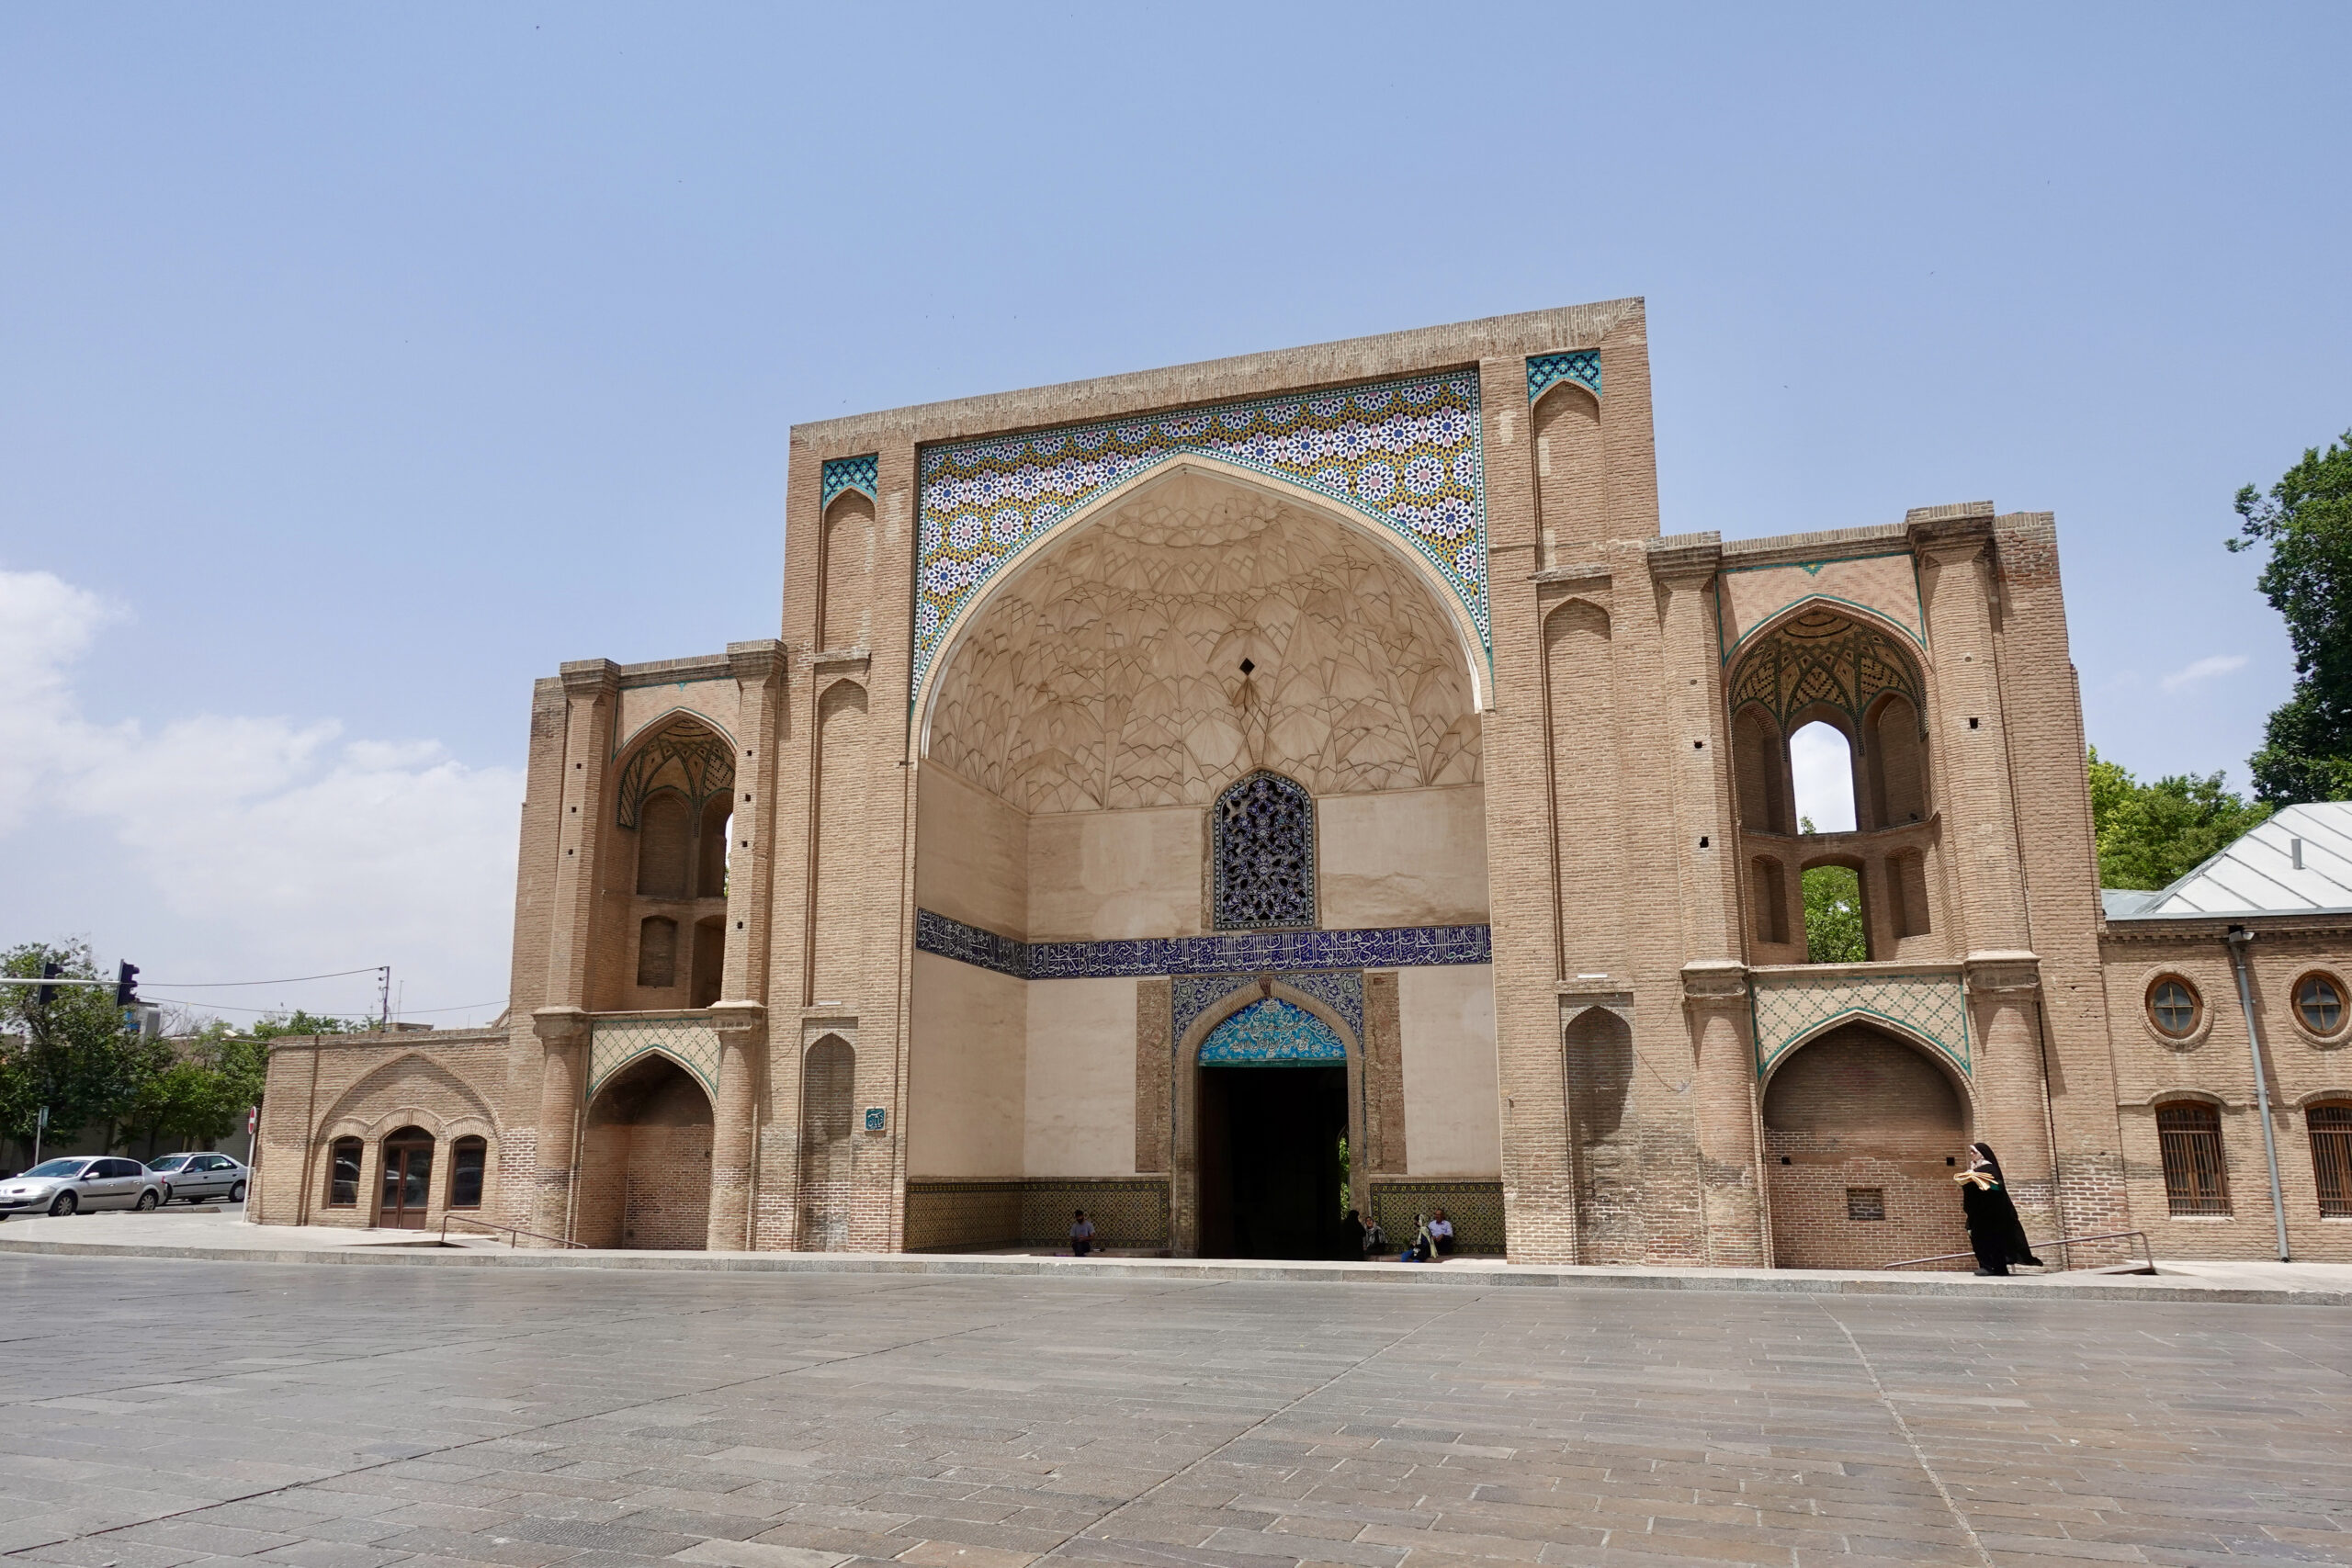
(200, 1177)
(81, 1182)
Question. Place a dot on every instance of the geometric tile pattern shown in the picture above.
(1821, 657)
(1475, 1207)
(1261, 857)
(1342, 990)
(859, 474)
(1270, 1032)
(1545, 371)
(1197, 632)
(1129, 1213)
(691, 1040)
(1929, 1005)
(1407, 454)
(1233, 953)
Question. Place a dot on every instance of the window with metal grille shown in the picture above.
(2319, 1003)
(2330, 1126)
(1866, 1202)
(2196, 1182)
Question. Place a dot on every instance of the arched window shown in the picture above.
(2330, 1126)
(2196, 1181)
(1821, 761)
(710, 853)
(343, 1174)
(467, 1156)
(1261, 855)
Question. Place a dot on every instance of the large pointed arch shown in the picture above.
(1470, 641)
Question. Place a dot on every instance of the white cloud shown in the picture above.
(1821, 766)
(2205, 669)
(234, 848)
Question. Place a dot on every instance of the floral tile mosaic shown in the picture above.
(1341, 991)
(1270, 1032)
(1545, 371)
(1408, 454)
(1229, 952)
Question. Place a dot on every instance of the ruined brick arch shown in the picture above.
(1862, 1127)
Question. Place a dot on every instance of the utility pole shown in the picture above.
(384, 999)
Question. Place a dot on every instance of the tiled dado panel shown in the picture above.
(1129, 1213)
(1232, 953)
(1408, 455)
(1475, 1207)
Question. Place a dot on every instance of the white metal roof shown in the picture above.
(2298, 861)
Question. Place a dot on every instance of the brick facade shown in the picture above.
(1633, 696)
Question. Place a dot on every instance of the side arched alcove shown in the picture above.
(1588, 833)
(1571, 471)
(845, 604)
(1838, 665)
(1197, 635)
(1862, 1127)
(645, 1153)
(661, 915)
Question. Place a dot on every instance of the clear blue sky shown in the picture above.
(359, 365)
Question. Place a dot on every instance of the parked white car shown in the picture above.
(200, 1177)
(81, 1182)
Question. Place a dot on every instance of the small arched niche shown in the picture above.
(845, 613)
(1571, 481)
(667, 875)
(828, 1108)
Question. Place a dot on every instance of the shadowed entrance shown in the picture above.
(1271, 1177)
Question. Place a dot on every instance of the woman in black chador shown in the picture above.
(1995, 1233)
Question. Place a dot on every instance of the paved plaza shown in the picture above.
(159, 1412)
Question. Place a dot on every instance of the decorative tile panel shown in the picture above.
(1341, 991)
(1272, 1033)
(1232, 953)
(1130, 1213)
(1408, 454)
(1475, 1207)
(860, 474)
(1789, 1008)
(690, 1039)
(1261, 855)
(1545, 371)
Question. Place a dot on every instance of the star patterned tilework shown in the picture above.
(860, 474)
(1545, 371)
(1408, 454)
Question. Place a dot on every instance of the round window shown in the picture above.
(2173, 1004)
(2319, 1002)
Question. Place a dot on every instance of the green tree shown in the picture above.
(77, 1058)
(2151, 835)
(2306, 522)
(1833, 913)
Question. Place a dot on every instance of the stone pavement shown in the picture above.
(161, 1413)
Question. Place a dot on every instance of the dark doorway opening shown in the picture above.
(1270, 1177)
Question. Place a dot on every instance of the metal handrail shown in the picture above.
(512, 1232)
(2146, 1251)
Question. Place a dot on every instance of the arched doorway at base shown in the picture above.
(1862, 1135)
(1271, 1177)
(645, 1161)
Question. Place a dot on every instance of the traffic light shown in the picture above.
(126, 985)
(44, 995)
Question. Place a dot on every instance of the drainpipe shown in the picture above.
(2237, 938)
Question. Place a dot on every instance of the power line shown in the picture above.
(294, 980)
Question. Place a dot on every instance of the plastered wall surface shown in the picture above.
(1453, 1126)
(1403, 858)
(1102, 875)
(1080, 1084)
(966, 1071)
(975, 862)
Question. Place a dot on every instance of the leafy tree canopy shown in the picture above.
(2306, 520)
(1833, 913)
(2151, 835)
(77, 1058)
